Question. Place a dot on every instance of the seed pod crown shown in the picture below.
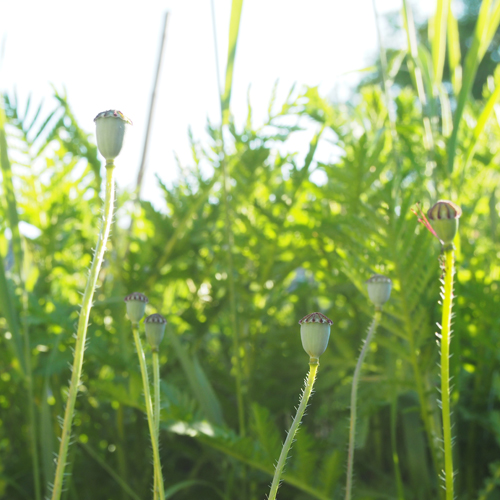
(315, 333)
(136, 306)
(379, 289)
(155, 329)
(443, 217)
(110, 132)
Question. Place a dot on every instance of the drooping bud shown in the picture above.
(379, 289)
(136, 306)
(315, 333)
(443, 217)
(110, 132)
(155, 329)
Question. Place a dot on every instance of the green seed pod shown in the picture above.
(136, 306)
(315, 333)
(155, 329)
(110, 132)
(379, 289)
(443, 217)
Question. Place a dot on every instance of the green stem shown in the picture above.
(395, 455)
(445, 371)
(354, 392)
(156, 385)
(232, 292)
(31, 397)
(81, 334)
(313, 368)
(149, 411)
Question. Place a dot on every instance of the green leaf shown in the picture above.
(454, 54)
(486, 26)
(234, 28)
(438, 41)
(9, 312)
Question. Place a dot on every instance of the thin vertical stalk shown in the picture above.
(354, 394)
(395, 455)
(445, 369)
(81, 334)
(158, 485)
(157, 406)
(228, 233)
(229, 240)
(306, 393)
(31, 397)
(142, 168)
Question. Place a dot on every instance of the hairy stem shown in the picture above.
(354, 393)
(445, 370)
(82, 331)
(156, 385)
(158, 485)
(313, 368)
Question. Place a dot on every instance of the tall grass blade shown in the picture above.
(439, 41)
(486, 26)
(234, 28)
(480, 125)
(454, 54)
(200, 385)
(416, 72)
(121, 483)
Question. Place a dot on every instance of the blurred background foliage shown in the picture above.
(303, 236)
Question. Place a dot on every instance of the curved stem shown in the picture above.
(158, 485)
(313, 368)
(82, 331)
(354, 393)
(445, 371)
(156, 385)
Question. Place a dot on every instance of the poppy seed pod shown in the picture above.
(315, 333)
(110, 132)
(379, 289)
(136, 306)
(155, 329)
(443, 217)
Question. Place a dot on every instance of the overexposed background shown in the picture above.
(104, 52)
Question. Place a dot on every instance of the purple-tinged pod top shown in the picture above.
(315, 333)
(136, 306)
(379, 289)
(155, 329)
(110, 132)
(443, 217)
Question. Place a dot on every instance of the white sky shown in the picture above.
(104, 53)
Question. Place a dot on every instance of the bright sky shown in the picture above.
(104, 53)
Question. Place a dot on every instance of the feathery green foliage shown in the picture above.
(308, 228)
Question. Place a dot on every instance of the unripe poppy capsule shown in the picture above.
(443, 217)
(155, 329)
(379, 289)
(315, 333)
(110, 132)
(136, 306)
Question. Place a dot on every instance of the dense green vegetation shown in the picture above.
(246, 244)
